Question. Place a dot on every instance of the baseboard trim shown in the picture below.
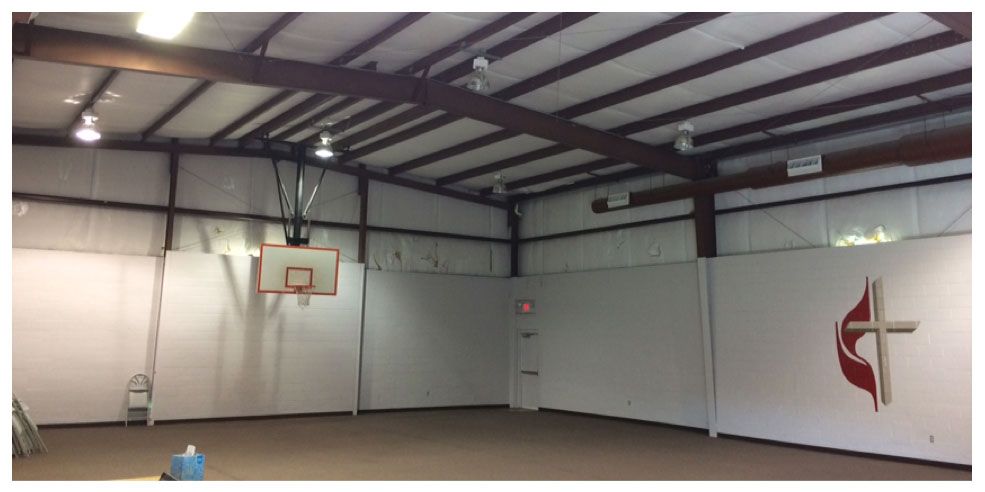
(268, 417)
(808, 447)
(108, 423)
(848, 452)
(253, 417)
(701, 430)
(424, 409)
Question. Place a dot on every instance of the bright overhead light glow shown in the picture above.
(163, 24)
(875, 236)
(88, 131)
(324, 149)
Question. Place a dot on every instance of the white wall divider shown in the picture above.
(359, 345)
(709, 358)
(624, 342)
(434, 340)
(777, 369)
(226, 351)
(82, 326)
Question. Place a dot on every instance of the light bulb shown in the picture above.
(88, 131)
(163, 24)
(684, 142)
(324, 152)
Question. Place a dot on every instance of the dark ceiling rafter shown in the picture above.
(628, 44)
(204, 86)
(181, 148)
(436, 56)
(913, 89)
(464, 68)
(840, 69)
(80, 48)
(914, 149)
(865, 123)
(341, 60)
(730, 59)
(959, 22)
(543, 30)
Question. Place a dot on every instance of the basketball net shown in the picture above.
(304, 295)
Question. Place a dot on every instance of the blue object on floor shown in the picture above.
(188, 467)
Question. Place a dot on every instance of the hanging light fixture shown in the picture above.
(88, 131)
(684, 142)
(479, 82)
(165, 24)
(499, 187)
(324, 149)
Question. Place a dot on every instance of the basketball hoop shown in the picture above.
(304, 295)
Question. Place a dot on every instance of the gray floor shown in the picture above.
(480, 444)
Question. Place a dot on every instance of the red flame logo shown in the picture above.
(857, 370)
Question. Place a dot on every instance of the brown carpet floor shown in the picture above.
(474, 444)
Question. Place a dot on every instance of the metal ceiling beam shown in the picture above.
(200, 89)
(865, 123)
(179, 148)
(912, 89)
(959, 22)
(343, 59)
(912, 150)
(804, 79)
(628, 44)
(512, 45)
(730, 59)
(62, 46)
(310, 121)
(312, 102)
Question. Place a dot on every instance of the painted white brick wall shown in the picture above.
(612, 337)
(226, 351)
(82, 325)
(776, 367)
(435, 340)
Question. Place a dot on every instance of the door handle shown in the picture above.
(530, 373)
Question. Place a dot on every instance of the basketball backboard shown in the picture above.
(286, 269)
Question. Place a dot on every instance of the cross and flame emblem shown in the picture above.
(861, 320)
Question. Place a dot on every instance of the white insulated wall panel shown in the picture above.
(624, 342)
(113, 175)
(215, 235)
(41, 225)
(83, 324)
(777, 373)
(226, 351)
(435, 340)
(399, 252)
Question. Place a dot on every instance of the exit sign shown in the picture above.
(525, 306)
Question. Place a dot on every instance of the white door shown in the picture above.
(529, 370)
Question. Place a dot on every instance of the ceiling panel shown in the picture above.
(434, 31)
(266, 115)
(492, 153)
(213, 110)
(450, 135)
(143, 99)
(319, 37)
(49, 95)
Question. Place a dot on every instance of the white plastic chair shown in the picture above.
(138, 397)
